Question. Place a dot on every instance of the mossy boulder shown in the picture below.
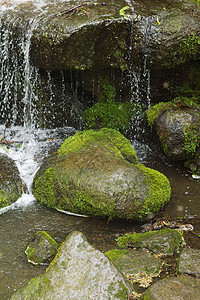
(77, 272)
(180, 287)
(139, 266)
(11, 185)
(42, 249)
(97, 173)
(177, 124)
(165, 241)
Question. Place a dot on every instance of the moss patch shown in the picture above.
(159, 191)
(109, 138)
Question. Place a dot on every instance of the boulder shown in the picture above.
(165, 241)
(96, 173)
(177, 124)
(189, 261)
(78, 272)
(42, 249)
(181, 287)
(139, 266)
(11, 185)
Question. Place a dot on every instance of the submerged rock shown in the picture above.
(42, 249)
(189, 261)
(78, 272)
(11, 185)
(96, 173)
(137, 265)
(164, 241)
(181, 287)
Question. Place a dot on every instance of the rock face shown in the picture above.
(96, 173)
(77, 272)
(11, 186)
(189, 261)
(165, 241)
(42, 249)
(181, 287)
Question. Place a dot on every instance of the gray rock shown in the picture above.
(11, 185)
(138, 265)
(77, 272)
(42, 249)
(189, 261)
(182, 287)
(166, 241)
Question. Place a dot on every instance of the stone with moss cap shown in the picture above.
(42, 249)
(77, 272)
(166, 241)
(177, 124)
(97, 173)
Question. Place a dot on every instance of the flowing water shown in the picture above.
(20, 221)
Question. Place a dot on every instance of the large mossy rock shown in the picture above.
(96, 173)
(78, 272)
(181, 287)
(11, 185)
(165, 241)
(177, 124)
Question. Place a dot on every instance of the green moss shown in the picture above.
(109, 138)
(108, 92)
(171, 237)
(188, 50)
(153, 112)
(4, 201)
(44, 188)
(192, 139)
(86, 203)
(116, 254)
(110, 115)
(159, 191)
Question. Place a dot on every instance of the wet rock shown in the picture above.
(189, 261)
(165, 241)
(181, 287)
(137, 265)
(96, 173)
(177, 124)
(78, 272)
(11, 185)
(42, 249)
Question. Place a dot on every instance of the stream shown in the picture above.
(20, 221)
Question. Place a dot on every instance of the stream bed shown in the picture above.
(21, 221)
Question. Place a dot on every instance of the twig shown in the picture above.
(70, 10)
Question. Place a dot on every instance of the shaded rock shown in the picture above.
(177, 124)
(165, 241)
(11, 185)
(137, 265)
(77, 272)
(189, 261)
(42, 249)
(96, 173)
(98, 36)
(181, 287)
